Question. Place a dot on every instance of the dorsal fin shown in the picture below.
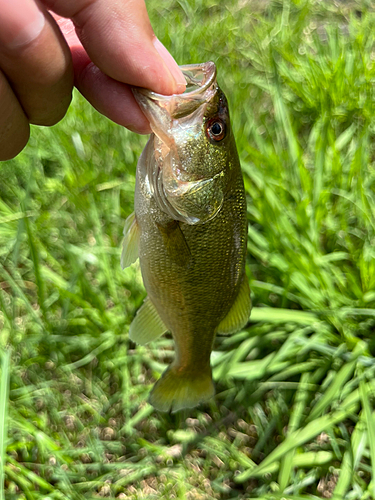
(239, 312)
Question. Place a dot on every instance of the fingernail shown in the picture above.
(21, 22)
(171, 65)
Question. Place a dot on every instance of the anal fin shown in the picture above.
(147, 324)
(239, 312)
(130, 244)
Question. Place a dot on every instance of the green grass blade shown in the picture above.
(369, 418)
(351, 459)
(4, 391)
(340, 379)
(301, 397)
(37, 269)
(278, 315)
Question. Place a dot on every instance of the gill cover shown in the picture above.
(176, 121)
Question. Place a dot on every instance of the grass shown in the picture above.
(294, 415)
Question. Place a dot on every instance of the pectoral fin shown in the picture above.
(175, 243)
(130, 244)
(147, 324)
(240, 311)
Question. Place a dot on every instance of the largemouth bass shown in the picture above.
(189, 230)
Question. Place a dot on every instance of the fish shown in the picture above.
(189, 230)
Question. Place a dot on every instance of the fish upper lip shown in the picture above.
(207, 69)
(202, 77)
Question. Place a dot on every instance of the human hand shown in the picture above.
(102, 47)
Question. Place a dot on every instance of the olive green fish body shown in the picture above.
(193, 297)
(192, 249)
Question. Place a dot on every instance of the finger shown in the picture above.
(14, 126)
(119, 39)
(36, 60)
(110, 97)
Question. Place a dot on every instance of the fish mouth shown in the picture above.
(173, 119)
(200, 88)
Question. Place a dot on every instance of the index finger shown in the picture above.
(119, 39)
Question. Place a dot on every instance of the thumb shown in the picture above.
(119, 39)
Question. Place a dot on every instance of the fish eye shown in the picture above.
(216, 130)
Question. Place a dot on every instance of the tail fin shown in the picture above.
(180, 388)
